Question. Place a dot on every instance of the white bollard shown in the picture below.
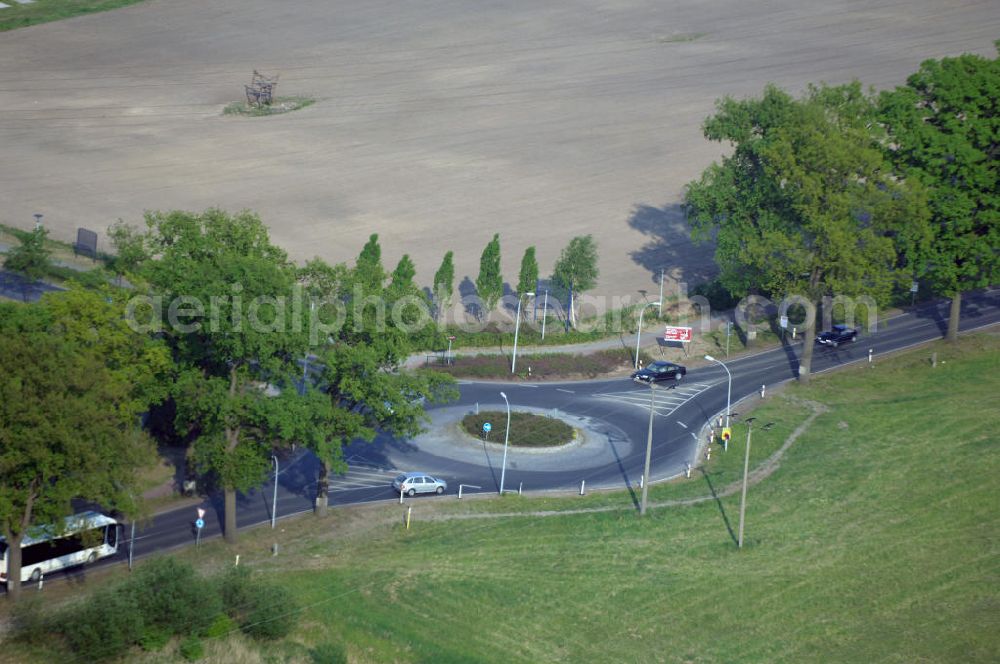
(687, 470)
(41, 581)
(762, 388)
(642, 478)
(870, 351)
(583, 487)
(274, 550)
(520, 486)
(237, 563)
(708, 453)
(400, 496)
(459, 491)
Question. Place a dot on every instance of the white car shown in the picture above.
(414, 483)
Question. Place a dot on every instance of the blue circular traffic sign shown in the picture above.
(487, 427)
(199, 523)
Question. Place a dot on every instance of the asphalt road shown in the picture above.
(614, 413)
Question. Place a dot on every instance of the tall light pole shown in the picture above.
(638, 334)
(274, 500)
(545, 310)
(506, 438)
(649, 449)
(517, 326)
(729, 391)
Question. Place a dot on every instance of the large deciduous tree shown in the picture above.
(75, 380)
(361, 389)
(229, 313)
(576, 270)
(806, 205)
(944, 127)
(489, 283)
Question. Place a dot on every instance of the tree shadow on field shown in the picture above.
(718, 502)
(670, 247)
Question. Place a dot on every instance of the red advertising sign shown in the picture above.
(682, 334)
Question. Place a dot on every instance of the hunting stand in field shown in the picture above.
(260, 92)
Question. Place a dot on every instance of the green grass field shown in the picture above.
(44, 11)
(874, 539)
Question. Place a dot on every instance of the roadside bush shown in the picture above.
(30, 623)
(171, 596)
(275, 614)
(237, 592)
(262, 610)
(154, 638)
(102, 627)
(192, 649)
(328, 653)
(221, 626)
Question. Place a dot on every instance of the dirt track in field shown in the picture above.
(437, 123)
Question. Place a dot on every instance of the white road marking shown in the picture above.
(682, 424)
(665, 402)
(559, 389)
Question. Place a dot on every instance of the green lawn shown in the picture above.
(874, 539)
(43, 11)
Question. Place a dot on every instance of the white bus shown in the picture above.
(85, 538)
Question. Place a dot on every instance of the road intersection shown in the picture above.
(612, 415)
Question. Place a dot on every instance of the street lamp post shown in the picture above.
(274, 500)
(649, 449)
(729, 391)
(545, 310)
(506, 438)
(517, 326)
(638, 334)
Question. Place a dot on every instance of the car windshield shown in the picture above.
(659, 367)
(400, 478)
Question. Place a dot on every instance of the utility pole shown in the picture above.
(746, 470)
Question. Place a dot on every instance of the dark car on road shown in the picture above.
(839, 334)
(658, 372)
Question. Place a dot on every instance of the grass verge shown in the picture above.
(45, 11)
(541, 366)
(277, 107)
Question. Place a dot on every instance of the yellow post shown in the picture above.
(408, 510)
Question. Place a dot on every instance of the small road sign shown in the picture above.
(914, 287)
(487, 427)
(727, 433)
(784, 322)
(201, 513)
(199, 524)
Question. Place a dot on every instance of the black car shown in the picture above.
(839, 334)
(659, 371)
